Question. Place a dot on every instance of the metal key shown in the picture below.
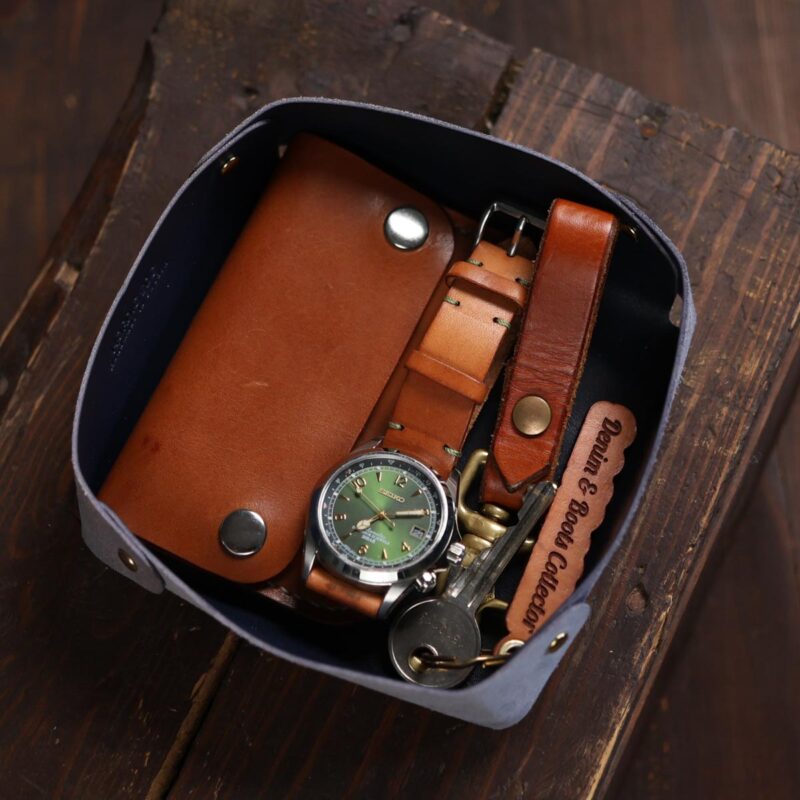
(446, 625)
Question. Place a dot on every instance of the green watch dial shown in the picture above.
(381, 512)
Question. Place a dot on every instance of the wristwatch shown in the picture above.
(385, 515)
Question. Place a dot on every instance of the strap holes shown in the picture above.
(396, 426)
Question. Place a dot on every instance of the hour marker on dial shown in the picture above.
(384, 554)
(362, 551)
(339, 517)
(405, 547)
(401, 480)
(379, 476)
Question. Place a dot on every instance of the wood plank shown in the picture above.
(729, 200)
(66, 68)
(723, 720)
(731, 60)
(102, 684)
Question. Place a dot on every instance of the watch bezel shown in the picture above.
(375, 576)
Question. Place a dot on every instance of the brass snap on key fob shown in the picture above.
(436, 642)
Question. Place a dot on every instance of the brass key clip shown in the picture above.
(479, 529)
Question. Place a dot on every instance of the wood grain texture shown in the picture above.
(91, 693)
(730, 201)
(723, 720)
(67, 68)
(103, 685)
(731, 61)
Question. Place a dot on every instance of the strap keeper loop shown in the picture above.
(447, 376)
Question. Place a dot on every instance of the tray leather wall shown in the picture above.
(636, 358)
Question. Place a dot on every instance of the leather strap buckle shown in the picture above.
(523, 218)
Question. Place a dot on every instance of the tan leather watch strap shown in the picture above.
(452, 370)
(449, 376)
(542, 380)
(322, 582)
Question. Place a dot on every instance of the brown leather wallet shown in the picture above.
(284, 364)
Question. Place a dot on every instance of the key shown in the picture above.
(446, 625)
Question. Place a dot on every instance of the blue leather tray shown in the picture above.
(636, 358)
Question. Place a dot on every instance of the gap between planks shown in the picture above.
(205, 690)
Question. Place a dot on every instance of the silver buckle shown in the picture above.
(523, 218)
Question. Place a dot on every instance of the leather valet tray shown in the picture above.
(636, 358)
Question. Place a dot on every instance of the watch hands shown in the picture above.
(380, 514)
(387, 516)
(363, 524)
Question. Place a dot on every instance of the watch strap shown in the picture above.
(543, 377)
(453, 368)
(449, 376)
(325, 583)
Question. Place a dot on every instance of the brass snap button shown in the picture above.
(531, 415)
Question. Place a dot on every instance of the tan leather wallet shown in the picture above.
(288, 363)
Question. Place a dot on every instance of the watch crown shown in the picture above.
(426, 582)
(456, 553)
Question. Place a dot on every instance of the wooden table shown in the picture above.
(108, 691)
